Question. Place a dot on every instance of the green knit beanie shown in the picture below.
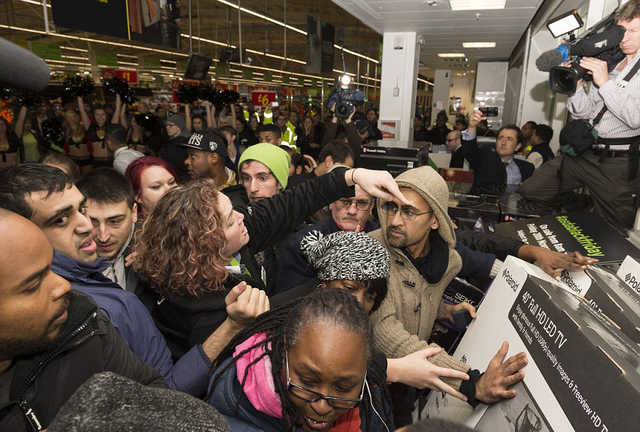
(273, 157)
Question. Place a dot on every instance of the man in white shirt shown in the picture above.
(610, 168)
(116, 139)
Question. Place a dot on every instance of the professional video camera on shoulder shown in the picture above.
(601, 42)
(344, 97)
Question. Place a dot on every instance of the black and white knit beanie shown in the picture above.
(345, 255)
(110, 402)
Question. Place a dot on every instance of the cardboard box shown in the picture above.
(609, 295)
(583, 373)
(629, 272)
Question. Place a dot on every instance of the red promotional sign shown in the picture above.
(263, 98)
(108, 73)
(129, 76)
(221, 86)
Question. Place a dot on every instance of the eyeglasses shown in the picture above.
(390, 208)
(360, 204)
(310, 396)
(452, 140)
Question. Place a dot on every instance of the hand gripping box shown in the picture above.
(583, 373)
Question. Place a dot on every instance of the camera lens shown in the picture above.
(342, 108)
(565, 81)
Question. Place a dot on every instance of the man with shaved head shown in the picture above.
(57, 337)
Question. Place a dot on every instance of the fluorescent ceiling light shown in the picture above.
(451, 55)
(478, 44)
(462, 5)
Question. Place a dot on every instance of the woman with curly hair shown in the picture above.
(308, 366)
(195, 246)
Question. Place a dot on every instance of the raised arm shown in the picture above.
(233, 116)
(187, 113)
(22, 115)
(118, 109)
(83, 114)
(211, 115)
(123, 117)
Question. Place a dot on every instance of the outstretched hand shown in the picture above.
(494, 384)
(549, 260)
(377, 183)
(244, 303)
(416, 370)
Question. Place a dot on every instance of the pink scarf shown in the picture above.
(258, 386)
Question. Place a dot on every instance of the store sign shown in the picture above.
(389, 129)
(108, 73)
(106, 58)
(46, 51)
(129, 76)
(263, 98)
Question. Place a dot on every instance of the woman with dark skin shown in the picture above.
(305, 366)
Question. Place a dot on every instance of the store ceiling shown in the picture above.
(443, 31)
(217, 22)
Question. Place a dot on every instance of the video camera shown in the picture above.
(344, 97)
(601, 42)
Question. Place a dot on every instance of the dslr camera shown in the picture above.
(344, 97)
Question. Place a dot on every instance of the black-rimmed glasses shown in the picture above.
(407, 213)
(311, 396)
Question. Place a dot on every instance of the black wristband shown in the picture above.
(468, 388)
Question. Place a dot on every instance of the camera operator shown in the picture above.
(609, 169)
(350, 130)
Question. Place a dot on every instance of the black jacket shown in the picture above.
(438, 135)
(457, 159)
(42, 383)
(487, 165)
(544, 150)
(187, 320)
(489, 243)
(175, 154)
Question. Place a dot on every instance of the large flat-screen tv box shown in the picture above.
(583, 373)
(396, 160)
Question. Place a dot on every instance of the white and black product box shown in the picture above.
(609, 295)
(583, 373)
(629, 272)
